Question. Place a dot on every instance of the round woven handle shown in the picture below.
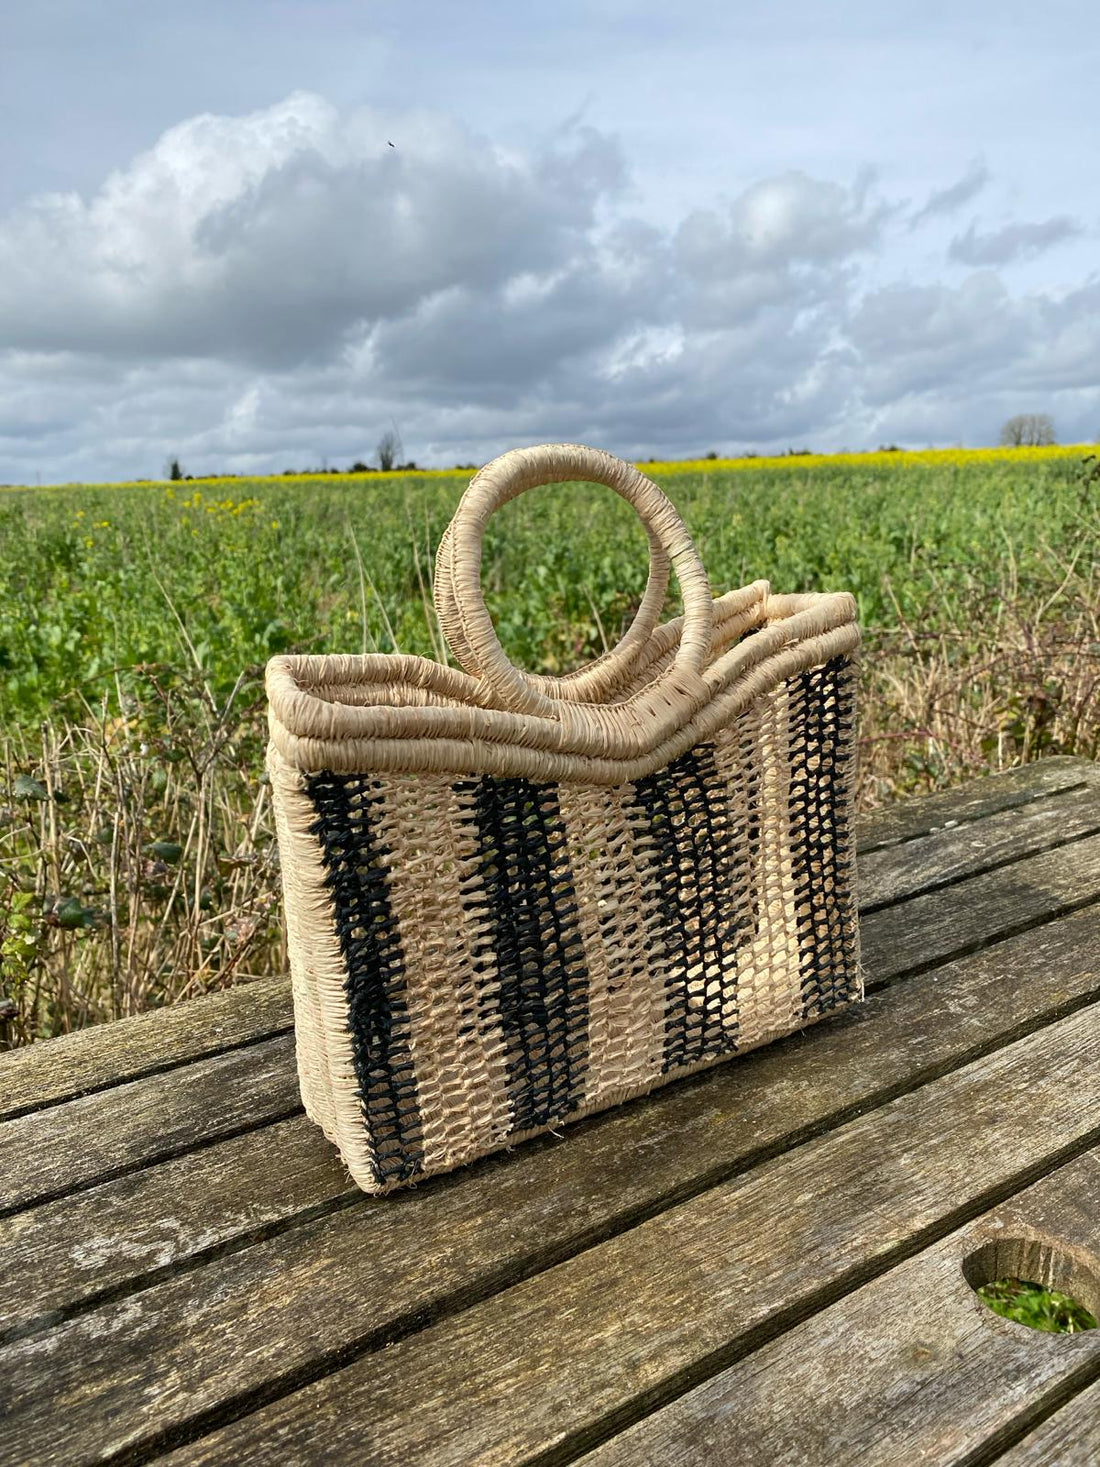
(590, 683)
(465, 618)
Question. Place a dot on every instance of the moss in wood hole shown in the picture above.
(1037, 1307)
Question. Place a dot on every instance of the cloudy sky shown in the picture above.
(259, 234)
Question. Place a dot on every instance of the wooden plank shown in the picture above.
(895, 873)
(536, 1370)
(162, 1217)
(618, 1321)
(157, 1248)
(86, 1247)
(51, 1152)
(910, 1368)
(975, 799)
(77, 1064)
(1066, 1439)
(532, 1371)
(944, 924)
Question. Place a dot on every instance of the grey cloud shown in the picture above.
(948, 200)
(941, 363)
(787, 244)
(260, 292)
(791, 219)
(265, 239)
(1011, 243)
(919, 338)
(528, 328)
(713, 328)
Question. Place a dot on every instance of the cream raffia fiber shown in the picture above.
(514, 900)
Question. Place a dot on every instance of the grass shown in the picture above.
(137, 859)
(1037, 1307)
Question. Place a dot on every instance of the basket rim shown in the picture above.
(450, 722)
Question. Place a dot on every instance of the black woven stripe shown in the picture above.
(698, 857)
(747, 837)
(370, 940)
(531, 960)
(822, 712)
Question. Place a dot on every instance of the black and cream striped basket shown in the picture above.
(514, 900)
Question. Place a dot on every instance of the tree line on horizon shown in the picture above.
(1024, 430)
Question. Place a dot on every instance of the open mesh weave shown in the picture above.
(663, 881)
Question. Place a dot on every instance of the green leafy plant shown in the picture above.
(21, 947)
(1037, 1307)
(137, 853)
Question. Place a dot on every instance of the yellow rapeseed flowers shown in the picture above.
(878, 458)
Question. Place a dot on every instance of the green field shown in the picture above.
(220, 579)
(135, 846)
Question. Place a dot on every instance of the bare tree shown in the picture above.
(389, 449)
(1028, 430)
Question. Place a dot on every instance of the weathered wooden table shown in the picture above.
(766, 1264)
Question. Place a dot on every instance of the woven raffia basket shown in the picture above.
(515, 900)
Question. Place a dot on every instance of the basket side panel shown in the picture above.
(483, 958)
(752, 760)
(610, 856)
(822, 780)
(348, 822)
(458, 1047)
(326, 1070)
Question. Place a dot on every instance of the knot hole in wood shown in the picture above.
(1037, 1260)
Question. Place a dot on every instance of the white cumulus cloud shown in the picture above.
(265, 291)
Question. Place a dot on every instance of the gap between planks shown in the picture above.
(689, 1291)
(1065, 1436)
(75, 1064)
(40, 1262)
(67, 1149)
(881, 884)
(205, 1352)
(911, 1367)
(914, 818)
